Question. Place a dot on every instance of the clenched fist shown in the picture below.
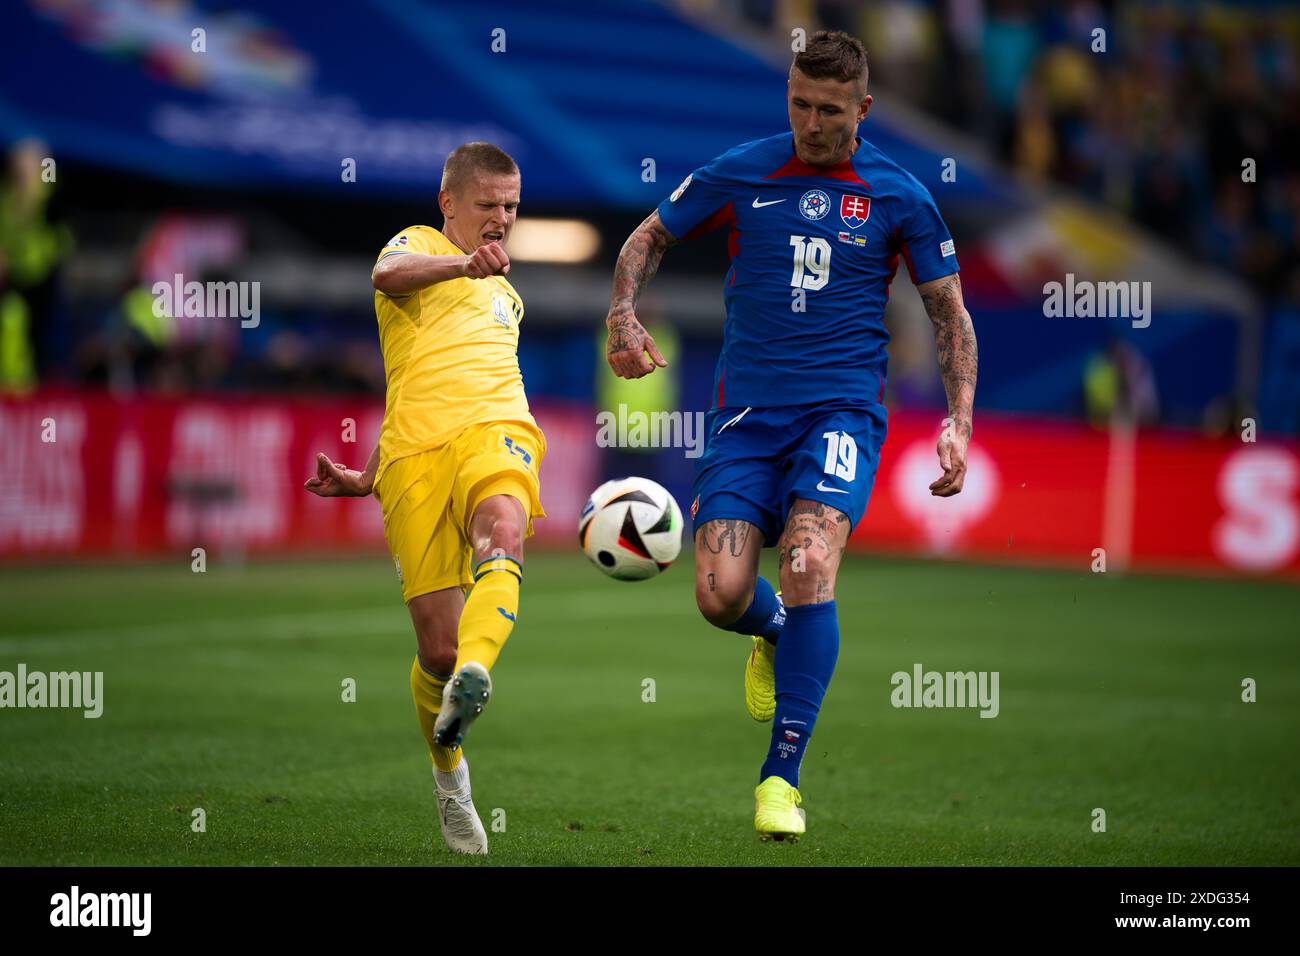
(488, 260)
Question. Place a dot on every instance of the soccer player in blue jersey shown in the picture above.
(819, 220)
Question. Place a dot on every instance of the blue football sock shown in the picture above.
(805, 661)
(766, 614)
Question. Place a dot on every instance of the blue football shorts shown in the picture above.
(757, 461)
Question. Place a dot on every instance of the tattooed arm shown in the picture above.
(954, 340)
(637, 264)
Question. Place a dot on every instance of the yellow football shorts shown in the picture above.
(429, 498)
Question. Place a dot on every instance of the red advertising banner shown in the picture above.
(1055, 492)
(87, 474)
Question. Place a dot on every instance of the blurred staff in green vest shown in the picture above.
(654, 393)
(32, 244)
(1120, 386)
(133, 346)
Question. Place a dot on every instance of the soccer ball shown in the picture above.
(631, 528)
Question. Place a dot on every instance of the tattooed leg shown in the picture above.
(804, 660)
(809, 552)
(727, 552)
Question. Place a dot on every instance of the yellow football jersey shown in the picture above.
(450, 354)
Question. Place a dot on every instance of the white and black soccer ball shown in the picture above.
(631, 528)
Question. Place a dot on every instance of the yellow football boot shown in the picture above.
(777, 815)
(760, 680)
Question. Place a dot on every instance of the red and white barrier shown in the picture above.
(1040, 491)
(88, 474)
(85, 474)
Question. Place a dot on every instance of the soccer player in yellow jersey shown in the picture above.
(456, 467)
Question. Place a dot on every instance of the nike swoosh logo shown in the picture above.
(506, 614)
(803, 722)
(821, 486)
(771, 202)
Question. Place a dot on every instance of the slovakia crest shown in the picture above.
(814, 204)
(854, 210)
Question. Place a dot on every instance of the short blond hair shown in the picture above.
(464, 162)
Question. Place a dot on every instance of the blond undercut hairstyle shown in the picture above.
(834, 55)
(465, 162)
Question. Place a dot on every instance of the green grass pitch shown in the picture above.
(223, 691)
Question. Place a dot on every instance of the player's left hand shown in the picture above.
(952, 458)
(337, 481)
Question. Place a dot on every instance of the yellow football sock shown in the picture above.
(426, 690)
(490, 609)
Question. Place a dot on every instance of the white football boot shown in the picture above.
(461, 827)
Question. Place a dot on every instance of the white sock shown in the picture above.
(457, 780)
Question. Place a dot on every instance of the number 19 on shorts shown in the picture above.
(841, 455)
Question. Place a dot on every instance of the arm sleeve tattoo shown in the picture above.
(637, 264)
(954, 340)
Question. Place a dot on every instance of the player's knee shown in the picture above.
(437, 642)
(507, 538)
(721, 603)
(498, 528)
(437, 651)
(806, 571)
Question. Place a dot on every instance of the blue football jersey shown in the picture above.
(813, 251)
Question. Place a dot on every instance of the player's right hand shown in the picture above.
(488, 260)
(337, 481)
(627, 345)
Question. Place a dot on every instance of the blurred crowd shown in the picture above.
(127, 339)
(1184, 117)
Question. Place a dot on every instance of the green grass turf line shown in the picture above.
(222, 691)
